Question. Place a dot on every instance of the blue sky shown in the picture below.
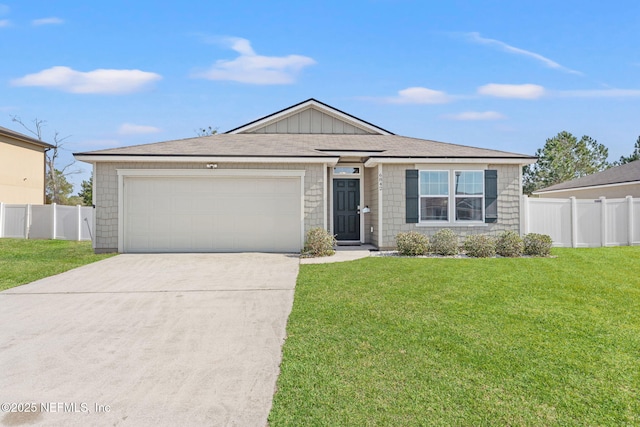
(495, 74)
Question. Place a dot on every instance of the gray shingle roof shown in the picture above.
(629, 172)
(306, 145)
(13, 134)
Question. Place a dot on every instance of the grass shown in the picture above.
(465, 342)
(23, 261)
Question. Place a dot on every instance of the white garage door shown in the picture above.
(212, 214)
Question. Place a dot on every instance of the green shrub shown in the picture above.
(412, 243)
(537, 244)
(509, 244)
(444, 242)
(319, 243)
(480, 246)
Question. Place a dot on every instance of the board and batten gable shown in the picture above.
(308, 121)
(310, 117)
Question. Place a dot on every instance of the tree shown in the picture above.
(208, 131)
(56, 177)
(86, 192)
(633, 157)
(564, 158)
(61, 192)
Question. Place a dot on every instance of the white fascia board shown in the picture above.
(453, 166)
(591, 187)
(442, 160)
(211, 172)
(304, 106)
(359, 154)
(212, 159)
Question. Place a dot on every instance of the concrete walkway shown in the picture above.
(148, 340)
(343, 253)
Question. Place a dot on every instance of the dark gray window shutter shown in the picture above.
(411, 177)
(491, 196)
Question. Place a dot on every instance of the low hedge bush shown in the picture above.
(412, 243)
(509, 244)
(537, 244)
(444, 242)
(480, 246)
(319, 243)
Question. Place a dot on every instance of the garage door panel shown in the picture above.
(212, 214)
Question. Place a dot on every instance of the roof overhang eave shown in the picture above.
(95, 158)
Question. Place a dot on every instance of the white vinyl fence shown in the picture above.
(46, 222)
(578, 223)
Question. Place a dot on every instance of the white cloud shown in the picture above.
(47, 21)
(131, 129)
(100, 81)
(475, 37)
(524, 91)
(4, 10)
(252, 68)
(475, 115)
(600, 93)
(419, 95)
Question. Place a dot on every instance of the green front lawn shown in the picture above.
(23, 261)
(465, 342)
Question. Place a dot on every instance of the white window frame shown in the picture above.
(452, 197)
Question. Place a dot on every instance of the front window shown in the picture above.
(434, 195)
(466, 199)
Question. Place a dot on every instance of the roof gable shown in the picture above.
(311, 117)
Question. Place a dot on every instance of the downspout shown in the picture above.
(44, 186)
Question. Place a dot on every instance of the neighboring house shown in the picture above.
(261, 186)
(22, 168)
(613, 183)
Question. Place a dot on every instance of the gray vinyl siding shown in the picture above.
(311, 121)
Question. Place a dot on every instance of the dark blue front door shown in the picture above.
(346, 213)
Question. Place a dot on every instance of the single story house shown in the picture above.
(613, 183)
(263, 185)
(22, 168)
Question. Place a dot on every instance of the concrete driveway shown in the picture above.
(170, 339)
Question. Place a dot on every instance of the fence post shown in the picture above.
(524, 218)
(79, 222)
(27, 220)
(1, 219)
(574, 222)
(53, 218)
(629, 219)
(603, 221)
